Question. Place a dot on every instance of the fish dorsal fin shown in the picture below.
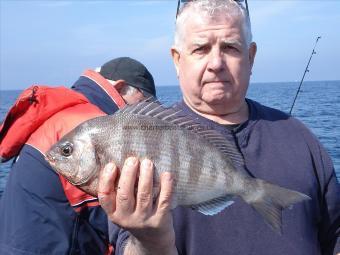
(153, 108)
(214, 206)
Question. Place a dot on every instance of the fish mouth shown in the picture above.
(50, 159)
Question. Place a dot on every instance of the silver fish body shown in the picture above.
(200, 159)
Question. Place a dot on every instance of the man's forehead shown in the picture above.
(198, 23)
(200, 33)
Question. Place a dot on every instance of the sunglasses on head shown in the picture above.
(238, 1)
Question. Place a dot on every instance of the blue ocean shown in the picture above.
(318, 106)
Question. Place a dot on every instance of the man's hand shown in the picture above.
(149, 223)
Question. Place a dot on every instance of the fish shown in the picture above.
(204, 164)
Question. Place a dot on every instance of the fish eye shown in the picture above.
(67, 150)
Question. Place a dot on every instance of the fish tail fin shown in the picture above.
(270, 200)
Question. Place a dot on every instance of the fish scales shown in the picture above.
(191, 167)
(143, 133)
(148, 133)
(200, 159)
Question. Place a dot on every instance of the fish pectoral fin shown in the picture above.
(214, 206)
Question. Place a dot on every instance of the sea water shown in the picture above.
(317, 105)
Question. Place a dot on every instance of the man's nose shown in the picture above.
(216, 61)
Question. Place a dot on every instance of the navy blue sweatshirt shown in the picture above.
(279, 149)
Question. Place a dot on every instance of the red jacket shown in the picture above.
(41, 212)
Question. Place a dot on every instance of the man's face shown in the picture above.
(134, 98)
(214, 65)
(129, 98)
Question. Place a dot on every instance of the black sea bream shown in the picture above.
(200, 159)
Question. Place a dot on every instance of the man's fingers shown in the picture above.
(125, 201)
(165, 196)
(145, 185)
(106, 188)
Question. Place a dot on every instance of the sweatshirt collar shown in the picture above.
(253, 116)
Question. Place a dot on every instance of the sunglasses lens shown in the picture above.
(186, 1)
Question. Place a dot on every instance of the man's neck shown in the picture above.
(237, 116)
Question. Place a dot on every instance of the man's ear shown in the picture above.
(252, 53)
(175, 57)
(119, 84)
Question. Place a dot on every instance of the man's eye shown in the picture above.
(67, 150)
(230, 48)
(200, 49)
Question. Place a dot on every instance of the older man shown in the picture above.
(214, 55)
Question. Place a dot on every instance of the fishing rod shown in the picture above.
(306, 70)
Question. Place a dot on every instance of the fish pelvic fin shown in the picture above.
(270, 200)
(214, 206)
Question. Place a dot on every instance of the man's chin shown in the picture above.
(212, 105)
(218, 99)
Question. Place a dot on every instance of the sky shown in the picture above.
(53, 42)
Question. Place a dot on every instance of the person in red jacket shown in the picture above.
(40, 212)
